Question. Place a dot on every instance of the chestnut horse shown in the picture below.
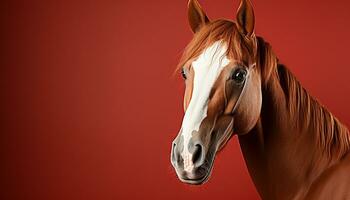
(293, 147)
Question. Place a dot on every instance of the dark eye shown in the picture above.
(239, 75)
(183, 73)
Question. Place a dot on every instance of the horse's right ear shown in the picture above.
(196, 15)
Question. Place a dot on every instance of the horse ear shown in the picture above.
(196, 15)
(245, 18)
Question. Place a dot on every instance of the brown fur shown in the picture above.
(217, 30)
(333, 137)
(293, 146)
(307, 113)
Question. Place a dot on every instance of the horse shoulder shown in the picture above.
(334, 183)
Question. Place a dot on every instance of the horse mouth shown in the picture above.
(202, 174)
(196, 181)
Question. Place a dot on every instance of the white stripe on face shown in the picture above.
(206, 70)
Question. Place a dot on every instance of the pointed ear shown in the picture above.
(196, 15)
(246, 18)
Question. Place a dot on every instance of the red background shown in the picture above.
(90, 104)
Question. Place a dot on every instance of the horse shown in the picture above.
(293, 146)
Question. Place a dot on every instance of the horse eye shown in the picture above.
(183, 73)
(239, 75)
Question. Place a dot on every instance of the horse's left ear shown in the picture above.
(196, 15)
(245, 18)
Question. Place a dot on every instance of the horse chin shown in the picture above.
(197, 181)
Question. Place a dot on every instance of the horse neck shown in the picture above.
(294, 140)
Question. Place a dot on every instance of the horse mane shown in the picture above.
(306, 112)
(224, 30)
(332, 137)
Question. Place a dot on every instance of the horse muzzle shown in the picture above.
(192, 167)
(193, 159)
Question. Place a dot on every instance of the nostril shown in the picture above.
(197, 153)
(174, 155)
(173, 147)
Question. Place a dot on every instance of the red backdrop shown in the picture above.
(90, 106)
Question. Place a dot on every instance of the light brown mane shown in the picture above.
(332, 137)
(225, 30)
(307, 113)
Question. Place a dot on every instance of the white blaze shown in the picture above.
(206, 68)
